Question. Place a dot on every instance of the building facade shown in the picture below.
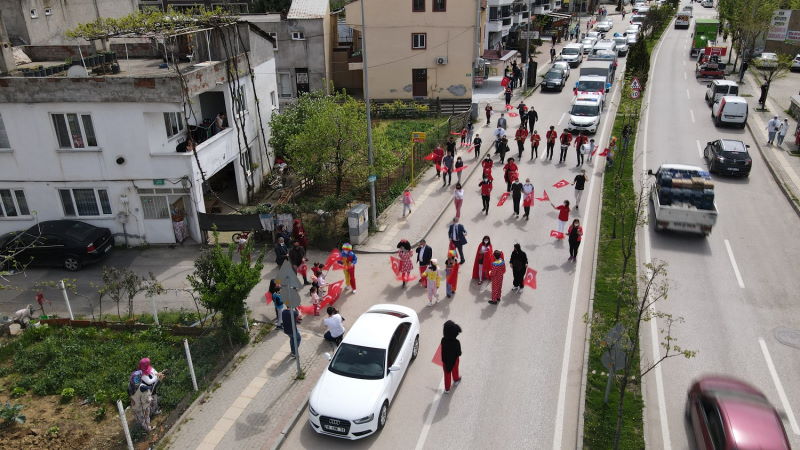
(130, 151)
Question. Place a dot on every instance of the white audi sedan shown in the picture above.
(352, 397)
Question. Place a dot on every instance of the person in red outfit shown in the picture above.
(579, 141)
(487, 165)
(496, 272)
(535, 139)
(486, 192)
(563, 215)
(566, 139)
(510, 173)
(483, 260)
(551, 137)
(438, 155)
(575, 234)
(299, 233)
(451, 352)
(520, 137)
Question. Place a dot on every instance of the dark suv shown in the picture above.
(728, 156)
(66, 243)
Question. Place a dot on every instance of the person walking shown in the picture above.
(566, 139)
(277, 301)
(281, 252)
(404, 255)
(496, 274)
(483, 260)
(522, 110)
(463, 137)
(451, 266)
(486, 192)
(502, 148)
(563, 215)
(579, 141)
(516, 195)
(579, 182)
(458, 165)
(488, 111)
(520, 136)
(407, 201)
(519, 265)
(289, 316)
(499, 133)
(477, 144)
(438, 156)
(487, 164)
(424, 255)
(450, 146)
(535, 139)
(533, 117)
(574, 236)
(451, 354)
(508, 94)
(447, 170)
(510, 173)
(772, 129)
(431, 274)
(553, 52)
(551, 137)
(783, 128)
(502, 122)
(458, 237)
(348, 260)
(297, 257)
(299, 233)
(527, 198)
(335, 325)
(590, 150)
(458, 198)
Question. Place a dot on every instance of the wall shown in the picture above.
(62, 52)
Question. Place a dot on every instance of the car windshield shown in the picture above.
(733, 147)
(553, 75)
(355, 361)
(591, 86)
(569, 51)
(620, 41)
(585, 110)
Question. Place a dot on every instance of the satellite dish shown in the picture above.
(77, 72)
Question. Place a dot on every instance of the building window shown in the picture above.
(3, 135)
(48, 11)
(419, 40)
(272, 99)
(74, 130)
(298, 36)
(285, 84)
(439, 5)
(85, 202)
(418, 5)
(13, 203)
(34, 14)
(173, 121)
(155, 207)
(274, 36)
(240, 100)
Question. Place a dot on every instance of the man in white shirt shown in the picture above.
(335, 331)
(772, 129)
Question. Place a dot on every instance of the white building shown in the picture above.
(106, 149)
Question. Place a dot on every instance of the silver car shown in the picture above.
(564, 65)
(604, 26)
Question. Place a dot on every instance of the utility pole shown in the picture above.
(373, 215)
(478, 37)
(528, 46)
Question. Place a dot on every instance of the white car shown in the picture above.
(584, 115)
(593, 34)
(352, 397)
(604, 26)
(766, 60)
(588, 44)
(560, 63)
(795, 64)
(631, 38)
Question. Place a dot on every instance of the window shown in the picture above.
(274, 36)
(13, 203)
(272, 99)
(85, 202)
(418, 5)
(3, 135)
(240, 100)
(285, 84)
(298, 36)
(396, 344)
(48, 11)
(439, 5)
(419, 40)
(74, 130)
(155, 207)
(34, 14)
(173, 121)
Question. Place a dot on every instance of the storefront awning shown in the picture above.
(556, 15)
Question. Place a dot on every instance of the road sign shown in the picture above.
(529, 35)
(371, 178)
(417, 136)
(635, 93)
(635, 83)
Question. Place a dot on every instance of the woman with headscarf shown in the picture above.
(348, 260)
(404, 254)
(451, 273)
(299, 233)
(483, 260)
(451, 352)
(144, 401)
(519, 265)
(433, 278)
(498, 269)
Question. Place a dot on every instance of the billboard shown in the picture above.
(779, 25)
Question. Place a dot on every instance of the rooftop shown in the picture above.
(308, 9)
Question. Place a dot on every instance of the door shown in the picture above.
(303, 85)
(396, 355)
(419, 82)
(157, 221)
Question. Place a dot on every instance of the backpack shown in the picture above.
(134, 382)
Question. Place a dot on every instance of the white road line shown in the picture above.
(787, 409)
(733, 263)
(656, 343)
(691, 113)
(699, 148)
(561, 119)
(426, 427)
(684, 75)
(687, 94)
(684, 63)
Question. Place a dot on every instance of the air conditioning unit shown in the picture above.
(441, 60)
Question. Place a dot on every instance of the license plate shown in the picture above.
(336, 429)
(109, 247)
(733, 169)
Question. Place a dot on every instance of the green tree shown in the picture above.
(223, 284)
(638, 62)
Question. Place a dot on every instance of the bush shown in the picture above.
(638, 63)
(17, 392)
(11, 415)
(67, 394)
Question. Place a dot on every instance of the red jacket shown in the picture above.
(566, 138)
(551, 135)
(563, 212)
(580, 140)
(535, 138)
(486, 187)
(521, 134)
(511, 172)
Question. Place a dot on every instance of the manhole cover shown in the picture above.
(788, 336)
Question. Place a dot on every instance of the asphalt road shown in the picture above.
(733, 288)
(523, 359)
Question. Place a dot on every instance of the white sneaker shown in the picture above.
(354, 291)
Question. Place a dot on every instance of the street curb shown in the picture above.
(289, 426)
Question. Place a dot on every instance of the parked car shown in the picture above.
(795, 67)
(561, 64)
(352, 397)
(588, 44)
(728, 156)
(573, 54)
(727, 413)
(720, 88)
(593, 34)
(622, 45)
(632, 39)
(730, 109)
(766, 60)
(604, 26)
(707, 3)
(555, 78)
(66, 243)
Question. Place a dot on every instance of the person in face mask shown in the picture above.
(483, 260)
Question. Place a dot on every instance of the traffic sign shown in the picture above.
(529, 35)
(418, 136)
(635, 93)
(635, 83)
(290, 285)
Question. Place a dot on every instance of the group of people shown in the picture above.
(777, 130)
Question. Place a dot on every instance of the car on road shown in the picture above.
(561, 64)
(70, 244)
(588, 44)
(352, 396)
(584, 115)
(555, 78)
(720, 88)
(604, 26)
(707, 3)
(726, 413)
(766, 60)
(573, 54)
(622, 45)
(730, 109)
(632, 39)
(593, 34)
(728, 156)
(795, 67)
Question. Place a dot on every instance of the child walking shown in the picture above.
(407, 201)
(431, 274)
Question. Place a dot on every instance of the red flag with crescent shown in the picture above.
(333, 261)
(528, 200)
(512, 114)
(561, 184)
(544, 198)
(455, 133)
(334, 291)
(470, 148)
(306, 310)
(504, 82)
(395, 262)
(556, 234)
(604, 152)
(459, 169)
(503, 199)
(437, 357)
(530, 278)
(268, 297)
(430, 156)
(442, 168)
(509, 107)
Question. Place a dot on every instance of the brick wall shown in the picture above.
(62, 52)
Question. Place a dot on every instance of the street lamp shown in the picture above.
(373, 203)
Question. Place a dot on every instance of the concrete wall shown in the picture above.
(391, 58)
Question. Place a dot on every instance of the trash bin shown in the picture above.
(473, 112)
(358, 223)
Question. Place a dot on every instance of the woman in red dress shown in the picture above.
(498, 269)
(510, 173)
(406, 266)
(487, 164)
(483, 260)
(299, 233)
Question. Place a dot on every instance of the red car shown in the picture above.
(726, 413)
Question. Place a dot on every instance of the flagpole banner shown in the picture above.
(503, 199)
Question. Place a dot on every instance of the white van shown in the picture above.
(573, 54)
(604, 44)
(707, 3)
(720, 88)
(730, 110)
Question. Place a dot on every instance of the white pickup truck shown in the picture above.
(683, 199)
(684, 18)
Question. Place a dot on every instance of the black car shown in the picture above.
(65, 243)
(728, 156)
(555, 78)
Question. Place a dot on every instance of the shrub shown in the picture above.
(100, 414)
(17, 392)
(11, 414)
(67, 394)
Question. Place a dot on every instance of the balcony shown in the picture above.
(494, 26)
(500, 2)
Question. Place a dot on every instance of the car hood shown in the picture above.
(344, 397)
(582, 120)
(556, 79)
(568, 57)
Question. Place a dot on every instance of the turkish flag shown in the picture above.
(509, 107)
(503, 199)
(334, 291)
(455, 133)
(604, 152)
(561, 184)
(268, 297)
(470, 148)
(530, 278)
(430, 156)
(512, 114)
(528, 200)
(556, 234)
(459, 169)
(437, 357)
(396, 269)
(544, 198)
(504, 82)
(442, 168)
(306, 310)
(333, 261)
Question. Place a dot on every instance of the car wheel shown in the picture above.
(712, 167)
(743, 124)
(415, 349)
(72, 263)
(383, 415)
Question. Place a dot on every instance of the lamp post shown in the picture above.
(373, 203)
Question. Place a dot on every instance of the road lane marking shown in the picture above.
(684, 63)
(561, 119)
(733, 263)
(691, 113)
(689, 97)
(684, 75)
(656, 344)
(426, 427)
(699, 150)
(787, 409)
